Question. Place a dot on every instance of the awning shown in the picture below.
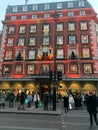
(29, 86)
(5, 85)
(17, 86)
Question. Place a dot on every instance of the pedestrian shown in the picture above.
(36, 99)
(66, 102)
(11, 98)
(71, 101)
(46, 100)
(29, 98)
(22, 101)
(2, 100)
(91, 103)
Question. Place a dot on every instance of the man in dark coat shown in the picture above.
(66, 103)
(91, 103)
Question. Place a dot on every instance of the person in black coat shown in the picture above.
(22, 101)
(91, 104)
(66, 103)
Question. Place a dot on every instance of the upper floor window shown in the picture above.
(8, 55)
(13, 17)
(46, 29)
(72, 39)
(47, 6)
(87, 68)
(72, 53)
(84, 39)
(33, 29)
(70, 4)
(20, 54)
(7, 69)
(59, 40)
(83, 25)
(73, 68)
(85, 53)
(35, 7)
(22, 29)
(71, 26)
(15, 9)
(47, 15)
(18, 69)
(11, 30)
(60, 14)
(70, 13)
(24, 17)
(61, 67)
(30, 69)
(59, 27)
(31, 55)
(60, 53)
(25, 8)
(34, 16)
(59, 5)
(81, 3)
(81, 13)
(21, 41)
(32, 41)
(46, 40)
(10, 41)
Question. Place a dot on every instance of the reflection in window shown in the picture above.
(70, 13)
(81, 13)
(18, 69)
(72, 39)
(73, 68)
(59, 27)
(71, 26)
(83, 26)
(10, 42)
(30, 69)
(13, 17)
(7, 69)
(8, 55)
(22, 29)
(59, 40)
(60, 53)
(31, 55)
(20, 55)
(85, 53)
(72, 53)
(11, 30)
(44, 70)
(24, 17)
(34, 16)
(21, 41)
(87, 68)
(84, 39)
(60, 67)
(32, 41)
(46, 29)
(45, 40)
(33, 29)
(47, 15)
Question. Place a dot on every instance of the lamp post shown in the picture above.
(55, 18)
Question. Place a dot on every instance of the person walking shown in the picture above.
(66, 103)
(36, 99)
(22, 100)
(71, 101)
(29, 98)
(91, 103)
(46, 100)
(2, 100)
(11, 98)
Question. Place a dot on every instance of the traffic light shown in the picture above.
(50, 75)
(59, 75)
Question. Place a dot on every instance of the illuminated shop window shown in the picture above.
(33, 29)
(20, 54)
(24, 17)
(73, 68)
(81, 13)
(6, 69)
(60, 53)
(59, 27)
(87, 68)
(34, 16)
(83, 26)
(84, 39)
(70, 14)
(47, 6)
(35, 7)
(8, 54)
(32, 41)
(30, 69)
(47, 15)
(46, 40)
(44, 70)
(61, 67)
(85, 53)
(72, 53)
(15, 9)
(22, 29)
(25, 8)
(18, 69)
(46, 29)
(71, 26)
(70, 4)
(59, 5)
(81, 3)
(11, 30)
(10, 41)
(59, 40)
(21, 41)
(31, 55)
(13, 17)
(72, 39)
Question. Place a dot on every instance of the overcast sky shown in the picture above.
(5, 3)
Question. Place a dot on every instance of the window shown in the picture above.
(59, 5)
(85, 53)
(47, 6)
(81, 13)
(33, 29)
(46, 29)
(46, 40)
(47, 15)
(11, 30)
(60, 14)
(44, 70)
(24, 17)
(70, 13)
(87, 68)
(32, 41)
(81, 3)
(72, 39)
(10, 41)
(59, 27)
(70, 4)
(83, 26)
(30, 69)
(7, 69)
(59, 40)
(21, 41)
(60, 53)
(8, 54)
(84, 39)
(15, 9)
(71, 26)
(73, 68)
(20, 54)
(13, 17)
(18, 69)
(31, 55)
(34, 16)
(34, 7)
(72, 53)
(22, 29)
(25, 8)
(60, 67)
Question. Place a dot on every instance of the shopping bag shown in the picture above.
(26, 101)
(70, 106)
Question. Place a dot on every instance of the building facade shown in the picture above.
(57, 36)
